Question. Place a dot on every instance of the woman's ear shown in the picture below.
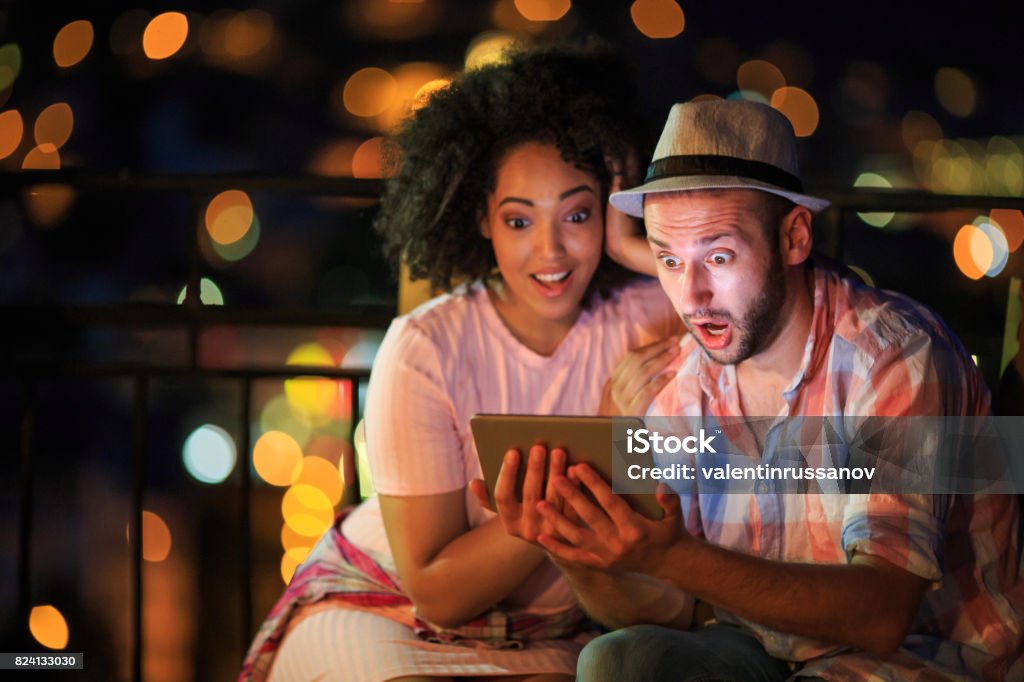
(797, 236)
(485, 227)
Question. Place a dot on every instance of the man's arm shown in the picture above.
(869, 603)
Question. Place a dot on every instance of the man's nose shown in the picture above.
(694, 290)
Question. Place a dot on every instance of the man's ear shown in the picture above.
(797, 236)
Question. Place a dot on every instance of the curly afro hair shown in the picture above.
(443, 162)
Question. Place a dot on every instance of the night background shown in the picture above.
(236, 148)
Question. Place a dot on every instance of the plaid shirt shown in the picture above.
(873, 353)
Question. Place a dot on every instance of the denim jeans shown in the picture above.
(651, 653)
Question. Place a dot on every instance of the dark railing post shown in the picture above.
(140, 412)
(244, 521)
(194, 286)
(25, 485)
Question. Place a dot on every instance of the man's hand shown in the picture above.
(638, 378)
(609, 535)
(523, 519)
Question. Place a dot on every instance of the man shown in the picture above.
(835, 586)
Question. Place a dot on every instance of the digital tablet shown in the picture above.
(584, 439)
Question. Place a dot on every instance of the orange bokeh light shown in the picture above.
(658, 19)
(72, 43)
(229, 216)
(43, 157)
(321, 474)
(11, 130)
(276, 457)
(156, 537)
(760, 76)
(369, 92)
(48, 626)
(368, 161)
(165, 35)
(54, 124)
(543, 10)
(799, 107)
(969, 251)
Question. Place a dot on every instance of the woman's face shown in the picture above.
(546, 224)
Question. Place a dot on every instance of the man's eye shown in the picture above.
(670, 262)
(720, 258)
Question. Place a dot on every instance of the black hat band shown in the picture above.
(713, 164)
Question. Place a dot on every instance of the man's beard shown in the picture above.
(759, 325)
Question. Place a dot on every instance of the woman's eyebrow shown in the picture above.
(517, 200)
(561, 197)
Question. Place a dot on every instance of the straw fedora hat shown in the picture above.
(722, 144)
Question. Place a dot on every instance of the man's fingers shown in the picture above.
(669, 502)
(613, 505)
(566, 552)
(587, 511)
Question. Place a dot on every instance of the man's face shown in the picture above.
(720, 269)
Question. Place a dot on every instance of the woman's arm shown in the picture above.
(624, 238)
(451, 572)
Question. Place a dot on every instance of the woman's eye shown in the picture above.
(517, 223)
(720, 258)
(579, 217)
(670, 262)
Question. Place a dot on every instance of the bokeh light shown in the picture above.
(54, 125)
(863, 274)
(999, 248)
(47, 204)
(972, 251)
(276, 457)
(749, 96)
(799, 107)
(391, 19)
(209, 454)
(288, 566)
(10, 64)
(1012, 223)
(321, 474)
(658, 19)
(718, 59)
(427, 90)
(368, 160)
(369, 92)
(42, 157)
(363, 473)
(760, 76)
(361, 354)
(241, 40)
(290, 540)
(956, 91)
(229, 216)
(127, 30)
(316, 397)
(506, 16)
(236, 251)
(156, 537)
(307, 510)
(880, 219)
(793, 61)
(488, 48)
(12, 128)
(209, 293)
(543, 10)
(48, 626)
(73, 43)
(165, 35)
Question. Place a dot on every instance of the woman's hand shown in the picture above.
(638, 378)
(624, 239)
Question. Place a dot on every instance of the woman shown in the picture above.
(501, 183)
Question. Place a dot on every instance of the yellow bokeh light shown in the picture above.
(760, 76)
(970, 252)
(956, 91)
(314, 397)
(321, 474)
(276, 457)
(10, 64)
(165, 35)
(658, 19)
(291, 540)
(54, 124)
(488, 48)
(306, 510)
(368, 161)
(229, 216)
(288, 566)
(43, 157)
(543, 10)
(917, 127)
(156, 537)
(799, 107)
(278, 415)
(878, 219)
(369, 92)
(48, 626)
(1012, 223)
(72, 43)
(12, 128)
(427, 90)
(298, 554)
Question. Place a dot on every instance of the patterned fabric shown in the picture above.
(338, 570)
(872, 353)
